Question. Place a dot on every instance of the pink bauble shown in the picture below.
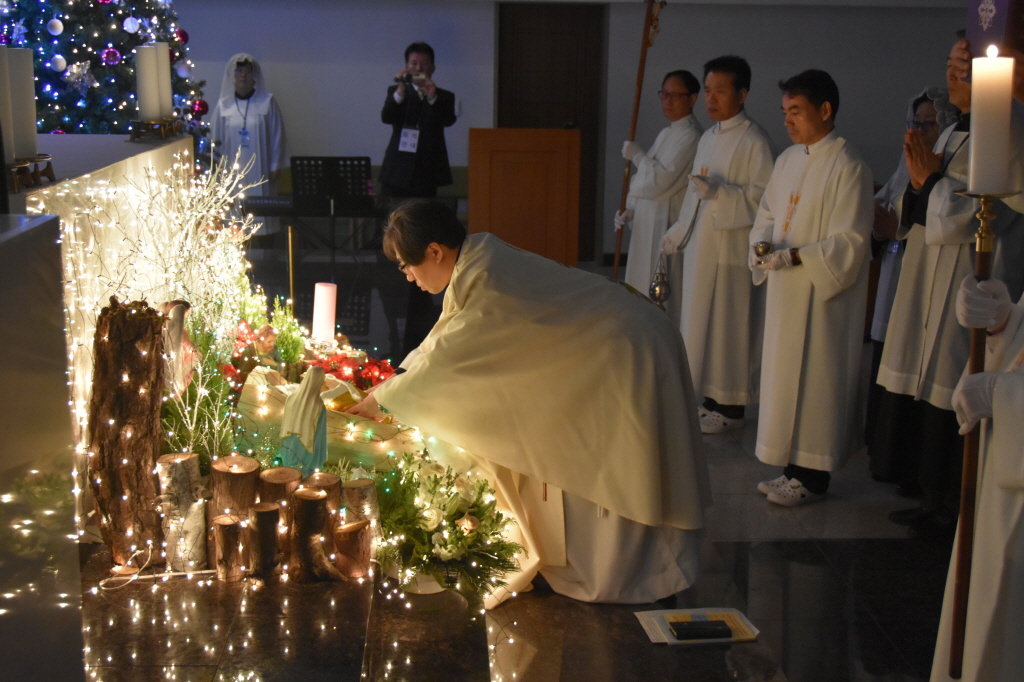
(110, 57)
(182, 36)
(200, 108)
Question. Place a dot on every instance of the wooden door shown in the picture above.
(524, 187)
(550, 75)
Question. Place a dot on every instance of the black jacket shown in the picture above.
(429, 165)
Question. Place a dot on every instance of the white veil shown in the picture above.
(227, 88)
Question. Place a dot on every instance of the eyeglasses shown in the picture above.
(672, 95)
(923, 126)
(402, 267)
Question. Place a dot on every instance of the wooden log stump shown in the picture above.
(235, 481)
(309, 562)
(330, 484)
(124, 434)
(264, 555)
(182, 506)
(276, 485)
(352, 543)
(229, 550)
(360, 499)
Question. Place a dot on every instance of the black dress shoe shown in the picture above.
(907, 517)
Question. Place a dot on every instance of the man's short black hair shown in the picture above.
(688, 80)
(736, 67)
(415, 225)
(816, 85)
(422, 48)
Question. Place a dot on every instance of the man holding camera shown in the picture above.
(416, 160)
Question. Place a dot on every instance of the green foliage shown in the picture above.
(252, 302)
(290, 341)
(444, 525)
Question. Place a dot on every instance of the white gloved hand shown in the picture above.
(972, 399)
(777, 260)
(753, 260)
(982, 305)
(704, 187)
(630, 150)
(623, 217)
(673, 239)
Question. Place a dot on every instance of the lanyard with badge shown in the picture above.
(410, 138)
(243, 134)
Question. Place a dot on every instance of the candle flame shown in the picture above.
(992, 52)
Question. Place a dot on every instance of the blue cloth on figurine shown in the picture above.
(294, 453)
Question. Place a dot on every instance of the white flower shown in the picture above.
(432, 517)
(466, 491)
(468, 523)
(445, 550)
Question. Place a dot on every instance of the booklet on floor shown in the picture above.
(697, 626)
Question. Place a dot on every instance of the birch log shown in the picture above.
(330, 484)
(182, 506)
(264, 555)
(309, 562)
(360, 500)
(229, 550)
(125, 437)
(352, 548)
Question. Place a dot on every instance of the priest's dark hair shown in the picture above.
(688, 80)
(736, 67)
(415, 225)
(422, 48)
(816, 85)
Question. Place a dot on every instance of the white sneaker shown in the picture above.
(793, 494)
(714, 422)
(765, 487)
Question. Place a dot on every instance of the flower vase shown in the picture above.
(422, 583)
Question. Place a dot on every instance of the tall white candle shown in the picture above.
(325, 298)
(23, 102)
(6, 114)
(147, 83)
(991, 95)
(163, 62)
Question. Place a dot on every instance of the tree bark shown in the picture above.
(264, 555)
(235, 480)
(352, 548)
(360, 498)
(182, 504)
(277, 485)
(125, 437)
(309, 562)
(229, 551)
(330, 484)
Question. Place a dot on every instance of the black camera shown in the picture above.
(412, 77)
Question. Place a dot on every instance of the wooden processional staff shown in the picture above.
(650, 33)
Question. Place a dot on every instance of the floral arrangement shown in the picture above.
(363, 371)
(444, 525)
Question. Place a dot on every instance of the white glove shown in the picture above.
(623, 217)
(754, 261)
(704, 187)
(673, 239)
(630, 150)
(982, 305)
(972, 399)
(777, 260)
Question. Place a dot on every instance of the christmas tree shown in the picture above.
(84, 54)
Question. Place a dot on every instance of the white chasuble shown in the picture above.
(925, 348)
(721, 312)
(548, 374)
(655, 194)
(995, 617)
(819, 200)
(252, 128)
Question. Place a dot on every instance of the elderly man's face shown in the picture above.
(721, 99)
(265, 344)
(245, 80)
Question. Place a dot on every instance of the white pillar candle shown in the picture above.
(6, 115)
(991, 95)
(147, 83)
(163, 61)
(23, 102)
(325, 298)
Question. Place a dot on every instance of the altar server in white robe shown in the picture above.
(722, 313)
(656, 190)
(817, 212)
(995, 617)
(925, 349)
(573, 396)
(247, 121)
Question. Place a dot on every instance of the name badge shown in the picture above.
(244, 136)
(409, 141)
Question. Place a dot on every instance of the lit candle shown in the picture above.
(991, 94)
(147, 83)
(325, 299)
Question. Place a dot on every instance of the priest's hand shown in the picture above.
(367, 408)
(630, 150)
(959, 63)
(704, 187)
(673, 239)
(983, 305)
(972, 399)
(755, 261)
(921, 162)
(623, 217)
(783, 258)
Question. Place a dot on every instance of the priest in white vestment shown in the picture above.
(995, 608)
(247, 121)
(721, 312)
(571, 393)
(656, 190)
(816, 213)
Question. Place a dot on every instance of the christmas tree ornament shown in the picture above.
(183, 69)
(104, 2)
(110, 57)
(200, 108)
(18, 32)
(55, 27)
(79, 76)
(182, 36)
(58, 63)
(131, 24)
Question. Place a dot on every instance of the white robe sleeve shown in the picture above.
(276, 159)
(834, 263)
(1008, 411)
(949, 214)
(737, 205)
(655, 176)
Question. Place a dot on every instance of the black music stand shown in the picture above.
(336, 186)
